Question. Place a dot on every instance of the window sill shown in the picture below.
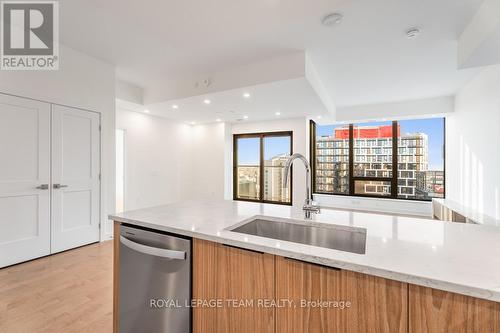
(383, 205)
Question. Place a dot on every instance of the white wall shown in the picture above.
(129, 92)
(419, 108)
(299, 128)
(156, 156)
(190, 162)
(83, 82)
(206, 160)
(472, 140)
(168, 161)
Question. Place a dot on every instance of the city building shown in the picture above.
(249, 179)
(373, 159)
(273, 179)
(248, 182)
(430, 183)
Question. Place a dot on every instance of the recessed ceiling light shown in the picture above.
(218, 119)
(278, 113)
(207, 101)
(246, 95)
(192, 123)
(332, 19)
(146, 111)
(175, 106)
(413, 32)
(245, 117)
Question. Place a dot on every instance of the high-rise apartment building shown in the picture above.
(273, 179)
(372, 155)
(249, 180)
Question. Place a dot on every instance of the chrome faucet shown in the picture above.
(310, 207)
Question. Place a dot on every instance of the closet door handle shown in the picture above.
(58, 186)
(43, 187)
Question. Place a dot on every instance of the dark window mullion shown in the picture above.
(394, 185)
(261, 169)
(235, 167)
(351, 159)
(373, 179)
(444, 158)
(290, 187)
(312, 154)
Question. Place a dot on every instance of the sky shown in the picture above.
(248, 148)
(434, 128)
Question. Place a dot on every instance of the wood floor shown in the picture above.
(67, 292)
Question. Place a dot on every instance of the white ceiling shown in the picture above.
(366, 59)
(290, 98)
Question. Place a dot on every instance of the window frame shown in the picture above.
(261, 136)
(352, 179)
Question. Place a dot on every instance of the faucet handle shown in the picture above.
(312, 206)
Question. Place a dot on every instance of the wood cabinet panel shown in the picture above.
(228, 273)
(204, 275)
(377, 304)
(246, 276)
(436, 311)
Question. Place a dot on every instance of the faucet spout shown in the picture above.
(310, 206)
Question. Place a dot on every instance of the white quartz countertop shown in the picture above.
(456, 257)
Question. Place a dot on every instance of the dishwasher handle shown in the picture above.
(153, 251)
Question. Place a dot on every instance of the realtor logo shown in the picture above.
(30, 35)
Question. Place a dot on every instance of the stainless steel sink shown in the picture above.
(343, 238)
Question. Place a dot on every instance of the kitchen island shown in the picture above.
(416, 275)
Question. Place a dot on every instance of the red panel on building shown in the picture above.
(342, 133)
(367, 132)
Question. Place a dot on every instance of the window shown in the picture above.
(363, 164)
(421, 158)
(259, 165)
(332, 165)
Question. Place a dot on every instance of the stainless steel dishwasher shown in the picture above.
(155, 282)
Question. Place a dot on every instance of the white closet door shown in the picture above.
(75, 178)
(24, 168)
